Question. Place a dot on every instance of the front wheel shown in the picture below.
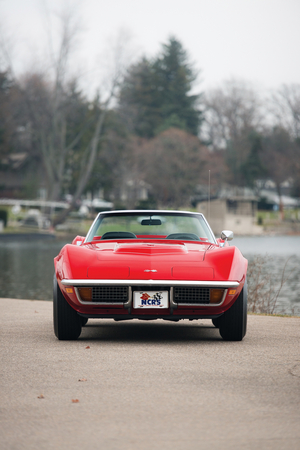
(233, 323)
(216, 322)
(66, 321)
(83, 320)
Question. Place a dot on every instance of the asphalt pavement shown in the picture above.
(147, 385)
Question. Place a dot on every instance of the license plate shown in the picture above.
(151, 299)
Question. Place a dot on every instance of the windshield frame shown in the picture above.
(95, 225)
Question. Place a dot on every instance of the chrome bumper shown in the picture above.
(127, 282)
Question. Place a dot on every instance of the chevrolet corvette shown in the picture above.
(150, 265)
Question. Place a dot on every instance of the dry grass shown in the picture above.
(264, 289)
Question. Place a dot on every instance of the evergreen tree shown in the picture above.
(139, 100)
(155, 94)
(175, 76)
(253, 168)
(6, 116)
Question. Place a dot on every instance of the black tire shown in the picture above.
(216, 321)
(233, 323)
(66, 321)
(84, 320)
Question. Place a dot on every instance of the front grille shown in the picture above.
(115, 294)
(109, 294)
(193, 295)
(184, 295)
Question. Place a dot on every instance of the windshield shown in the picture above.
(165, 225)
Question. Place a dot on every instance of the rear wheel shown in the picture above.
(66, 321)
(233, 323)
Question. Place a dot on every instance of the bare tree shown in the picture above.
(285, 106)
(49, 105)
(231, 110)
(172, 163)
(277, 158)
(231, 113)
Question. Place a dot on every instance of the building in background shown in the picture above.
(233, 209)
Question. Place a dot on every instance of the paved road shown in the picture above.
(147, 385)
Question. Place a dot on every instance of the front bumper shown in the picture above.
(125, 310)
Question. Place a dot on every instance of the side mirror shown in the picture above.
(226, 235)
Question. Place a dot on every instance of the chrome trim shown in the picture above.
(205, 304)
(128, 304)
(86, 282)
(148, 212)
(173, 305)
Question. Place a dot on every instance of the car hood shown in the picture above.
(145, 260)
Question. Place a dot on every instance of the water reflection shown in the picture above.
(271, 245)
(26, 267)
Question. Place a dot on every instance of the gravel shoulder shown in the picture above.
(147, 385)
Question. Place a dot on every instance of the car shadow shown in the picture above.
(156, 332)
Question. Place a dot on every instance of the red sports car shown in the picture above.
(150, 265)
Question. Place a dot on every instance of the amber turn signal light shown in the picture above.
(86, 294)
(69, 290)
(216, 295)
(232, 291)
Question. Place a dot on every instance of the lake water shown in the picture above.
(26, 267)
(281, 259)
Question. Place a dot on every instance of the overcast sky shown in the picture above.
(254, 40)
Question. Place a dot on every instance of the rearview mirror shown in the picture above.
(151, 222)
